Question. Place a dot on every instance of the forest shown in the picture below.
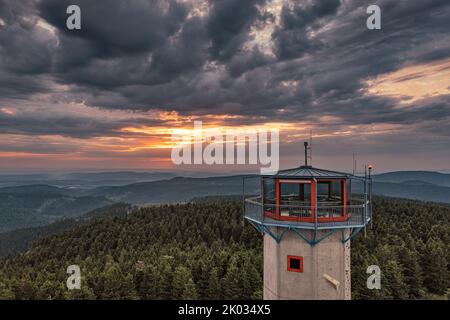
(204, 250)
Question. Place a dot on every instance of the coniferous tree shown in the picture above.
(435, 264)
(181, 277)
(166, 280)
(412, 271)
(231, 283)
(214, 291)
(190, 292)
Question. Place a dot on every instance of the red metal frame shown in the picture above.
(313, 199)
(277, 201)
(349, 214)
(313, 183)
(278, 192)
(289, 263)
(344, 200)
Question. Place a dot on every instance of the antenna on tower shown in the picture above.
(305, 144)
(307, 154)
(310, 147)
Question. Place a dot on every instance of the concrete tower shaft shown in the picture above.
(325, 272)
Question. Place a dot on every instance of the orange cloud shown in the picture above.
(413, 83)
(8, 111)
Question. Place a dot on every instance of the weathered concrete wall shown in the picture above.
(347, 270)
(271, 268)
(330, 257)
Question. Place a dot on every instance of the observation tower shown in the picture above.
(308, 217)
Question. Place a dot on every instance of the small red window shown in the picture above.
(295, 264)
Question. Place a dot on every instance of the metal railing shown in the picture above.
(303, 215)
(253, 209)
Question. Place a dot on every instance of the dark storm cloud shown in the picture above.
(113, 27)
(185, 53)
(20, 56)
(25, 51)
(228, 25)
(13, 10)
(112, 51)
(154, 55)
(291, 37)
(247, 61)
(69, 126)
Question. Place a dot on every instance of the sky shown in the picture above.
(108, 96)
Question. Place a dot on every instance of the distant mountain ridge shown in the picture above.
(82, 179)
(437, 178)
(177, 189)
(40, 204)
(415, 191)
(185, 189)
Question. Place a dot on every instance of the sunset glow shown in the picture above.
(413, 83)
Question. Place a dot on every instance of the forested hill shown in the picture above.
(202, 250)
(21, 240)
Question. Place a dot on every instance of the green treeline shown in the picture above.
(410, 241)
(204, 251)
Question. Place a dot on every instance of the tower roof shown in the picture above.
(311, 172)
